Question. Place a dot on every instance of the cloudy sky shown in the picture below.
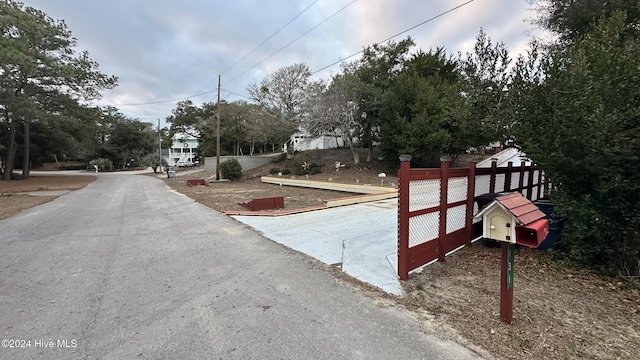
(166, 50)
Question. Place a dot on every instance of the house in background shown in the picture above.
(183, 150)
(302, 141)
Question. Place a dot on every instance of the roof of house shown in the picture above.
(519, 206)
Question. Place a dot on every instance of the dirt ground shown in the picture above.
(225, 196)
(559, 312)
(12, 193)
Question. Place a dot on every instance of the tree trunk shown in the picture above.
(11, 152)
(356, 156)
(26, 164)
(369, 142)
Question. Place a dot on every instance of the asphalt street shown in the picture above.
(127, 269)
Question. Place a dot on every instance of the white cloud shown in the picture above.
(162, 49)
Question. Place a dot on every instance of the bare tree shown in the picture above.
(283, 92)
(331, 110)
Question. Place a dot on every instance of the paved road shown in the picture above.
(127, 269)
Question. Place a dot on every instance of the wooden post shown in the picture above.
(471, 188)
(530, 182)
(506, 282)
(538, 195)
(444, 190)
(507, 176)
(218, 133)
(521, 177)
(492, 179)
(403, 217)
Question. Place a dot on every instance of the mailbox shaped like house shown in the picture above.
(514, 219)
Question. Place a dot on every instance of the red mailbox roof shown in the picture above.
(522, 209)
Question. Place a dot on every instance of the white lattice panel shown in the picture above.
(482, 184)
(457, 189)
(499, 182)
(534, 193)
(536, 176)
(456, 218)
(424, 194)
(423, 228)
(515, 177)
(525, 181)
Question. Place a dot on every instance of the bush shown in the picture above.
(274, 170)
(281, 158)
(315, 169)
(103, 164)
(312, 169)
(285, 171)
(231, 169)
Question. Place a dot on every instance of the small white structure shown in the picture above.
(302, 141)
(183, 150)
(503, 157)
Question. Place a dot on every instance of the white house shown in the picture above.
(302, 141)
(183, 150)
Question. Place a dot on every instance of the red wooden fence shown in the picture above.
(436, 206)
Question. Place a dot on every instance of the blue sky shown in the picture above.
(164, 50)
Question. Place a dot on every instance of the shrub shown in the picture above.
(315, 169)
(231, 169)
(281, 158)
(274, 170)
(312, 169)
(285, 171)
(103, 164)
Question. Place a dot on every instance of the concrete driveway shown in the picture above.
(362, 238)
(127, 269)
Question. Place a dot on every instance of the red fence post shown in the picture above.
(530, 182)
(403, 217)
(507, 176)
(539, 184)
(492, 179)
(471, 189)
(506, 282)
(444, 190)
(521, 178)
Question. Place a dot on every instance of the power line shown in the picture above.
(244, 57)
(294, 40)
(396, 35)
(235, 93)
(270, 37)
(168, 100)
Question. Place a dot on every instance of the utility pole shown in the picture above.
(159, 147)
(218, 133)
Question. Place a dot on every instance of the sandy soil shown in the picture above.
(13, 198)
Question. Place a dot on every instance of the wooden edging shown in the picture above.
(358, 199)
(349, 200)
(272, 213)
(359, 189)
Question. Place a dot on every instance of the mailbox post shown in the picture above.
(512, 219)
